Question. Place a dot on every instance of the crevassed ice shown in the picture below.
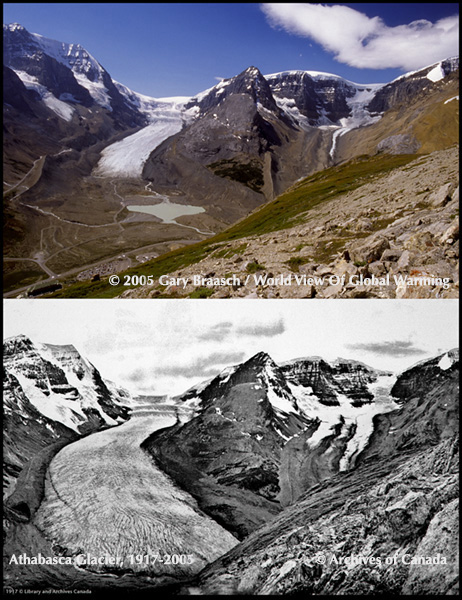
(359, 416)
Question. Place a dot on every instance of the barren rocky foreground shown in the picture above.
(404, 224)
(337, 541)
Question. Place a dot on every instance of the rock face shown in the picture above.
(320, 97)
(68, 71)
(240, 145)
(387, 526)
(428, 394)
(232, 148)
(52, 394)
(26, 431)
(329, 381)
(228, 456)
(244, 455)
(250, 82)
(69, 101)
(407, 87)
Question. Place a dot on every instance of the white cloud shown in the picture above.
(166, 346)
(360, 41)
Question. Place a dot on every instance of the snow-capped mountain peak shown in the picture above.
(73, 56)
(62, 385)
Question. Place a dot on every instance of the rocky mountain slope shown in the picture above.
(372, 228)
(338, 479)
(361, 230)
(51, 394)
(81, 149)
(242, 456)
(389, 525)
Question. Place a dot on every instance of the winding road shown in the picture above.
(40, 259)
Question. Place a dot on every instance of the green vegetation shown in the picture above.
(227, 251)
(325, 251)
(171, 261)
(254, 267)
(288, 210)
(22, 277)
(291, 208)
(202, 292)
(295, 261)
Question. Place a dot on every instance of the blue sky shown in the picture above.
(181, 49)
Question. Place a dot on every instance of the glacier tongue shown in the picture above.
(126, 157)
(128, 505)
(360, 116)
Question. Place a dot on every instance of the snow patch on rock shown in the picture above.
(62, 109)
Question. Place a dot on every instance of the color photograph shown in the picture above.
(309, 142)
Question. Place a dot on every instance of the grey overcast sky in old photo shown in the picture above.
(166, 346)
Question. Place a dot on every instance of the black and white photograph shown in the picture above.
(231, 447)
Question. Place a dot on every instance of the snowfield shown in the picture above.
(62, 109)
(361, 417)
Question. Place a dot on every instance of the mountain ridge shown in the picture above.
(85, 157)
(250, 425)
(400, 500)
(270, 463)
(53, 389)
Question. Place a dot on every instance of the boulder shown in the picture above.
(391, 255)
(408, 515)
(376, 268)
(404, 260)
(442, 195)
(369, 251)
(451, 234)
